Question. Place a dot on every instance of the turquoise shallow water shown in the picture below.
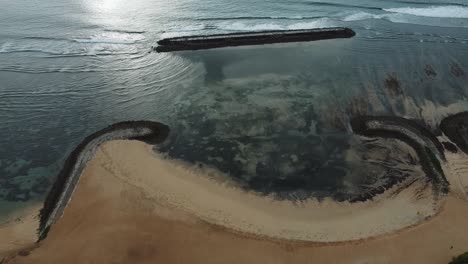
(275, 118)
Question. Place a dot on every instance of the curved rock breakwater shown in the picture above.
(455, 127)
(426, 145)
(428, 148)
(67, 179)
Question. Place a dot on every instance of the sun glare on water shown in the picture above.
(103, 5)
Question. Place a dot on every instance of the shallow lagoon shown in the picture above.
(275, 118)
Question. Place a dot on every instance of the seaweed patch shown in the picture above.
(430, 72)
(393, 85)
(456, 70)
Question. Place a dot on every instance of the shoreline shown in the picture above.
(123, 155)
(19, 230)
(208, 196)
(129, 215)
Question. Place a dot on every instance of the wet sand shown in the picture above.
(207, 195)
(19, 229)
(133, 206)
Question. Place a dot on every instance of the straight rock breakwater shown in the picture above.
(68, 177)
(251, 38)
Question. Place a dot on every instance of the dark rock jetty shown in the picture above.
(67, 179)
(251, 38)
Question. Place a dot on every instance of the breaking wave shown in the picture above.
(241, 26)
(433, 11)
(259, 18)
(340, 5)
(431, 16)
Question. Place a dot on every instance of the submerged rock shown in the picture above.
(455, 127)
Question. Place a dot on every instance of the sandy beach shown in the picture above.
(134, 206)
(19, 229)
(222, 131)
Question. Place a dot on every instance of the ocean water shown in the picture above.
(274, 118)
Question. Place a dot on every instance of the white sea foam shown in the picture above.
(186, 30)
(319, 23)
(195, 27)
(241, 26)
(287, 17)
(433, 11)
(405, 18)
(361, 16)
(4, 47)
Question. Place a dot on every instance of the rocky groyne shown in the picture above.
(251, 38)
(428, 148)
(67, 179)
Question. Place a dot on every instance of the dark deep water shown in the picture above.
(276, 118)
